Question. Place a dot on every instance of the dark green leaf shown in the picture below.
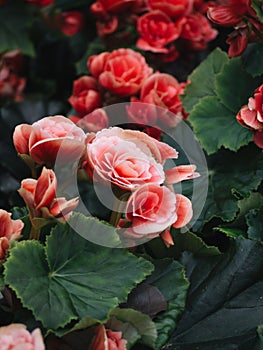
(203, 79)
(14, 22)
(215, 126)
(19, 212)
(186, 241)
(169, 277)
(254, 220)
(134, 325)
(253, 59)
(73, 280)
(234, 93)
(231, 232)
(224, 304)
(231, 173)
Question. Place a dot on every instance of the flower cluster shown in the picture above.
(165, 28)
(240, 15)
(129, 160)
(123, 75)
(133, 161)
(251, 116)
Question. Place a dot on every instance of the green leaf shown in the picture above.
(219, 88)
(203, 79)
(254, 220)
(215, 126)
(19, 212)
(186, 241)
(224, 304)
(134, 325)
(14, 35)
(169, 278)
(253, 201)
(234, 93)
(231, 173)
(71, 278)
(253, 59)
(230, 232)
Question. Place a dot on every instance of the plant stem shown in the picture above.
(34, 233)
(118, 208)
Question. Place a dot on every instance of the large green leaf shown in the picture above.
(231, 175)
(218, 88)
(203, 79)
(253, 59)
(72, 278)
(224, 305)
(13, 28)
(234, 93)
(169, 278)
(215, 126)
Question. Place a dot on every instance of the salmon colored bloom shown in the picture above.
(106, 339)
(163, 90)
(10, 230)
(121, 71)
(152, 209)
(17, 337)
(127, 158)
(86, 95)
(156, 30)
(40, 197)
(251, 116)
(45, 138)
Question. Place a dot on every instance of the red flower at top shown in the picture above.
(121, 71)
(231, 12)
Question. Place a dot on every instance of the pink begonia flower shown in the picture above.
(86, 95)
(126, 158)
(156, 30)
(17, 337)
(163, 90)
(251, 116)
(115, 340)
(121, 71)
(173, 8)
(153, 209)
(180, 173)
(92, 122)
(40, 197)
(45, 138)
(10, 230)
(106, 339)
